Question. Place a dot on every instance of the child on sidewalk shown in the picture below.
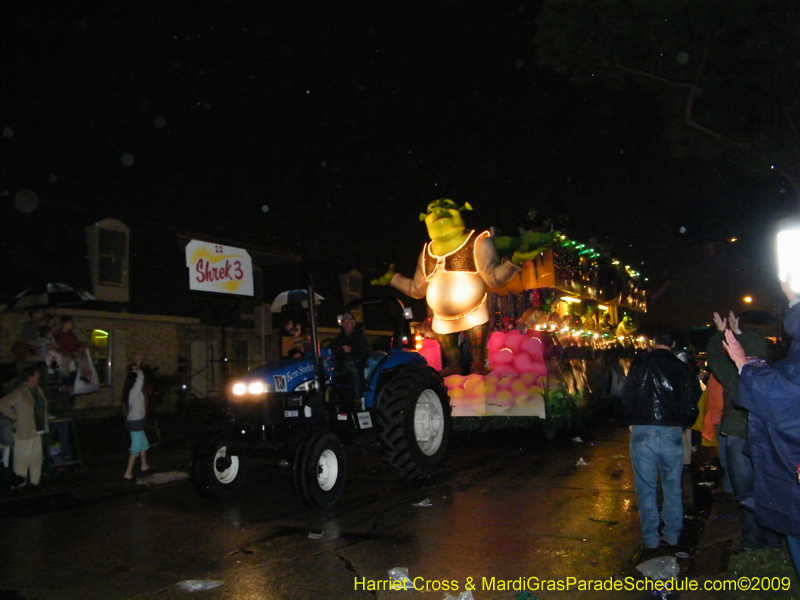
(134, 400)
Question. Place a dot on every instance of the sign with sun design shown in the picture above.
(218, 268)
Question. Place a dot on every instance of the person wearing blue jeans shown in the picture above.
(657, 450)
(659, 401)
(722, 447)
(754, 536)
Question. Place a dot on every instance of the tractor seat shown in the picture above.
(373, 360)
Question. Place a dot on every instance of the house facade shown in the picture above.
(143, 306)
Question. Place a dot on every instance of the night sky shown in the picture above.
(323, 129)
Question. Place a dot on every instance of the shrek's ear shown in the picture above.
(467, 206)
(422, 216)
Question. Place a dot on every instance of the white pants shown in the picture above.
(28, 456)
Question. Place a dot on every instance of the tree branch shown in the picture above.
(694, 90)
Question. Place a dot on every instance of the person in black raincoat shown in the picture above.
(772, 396)
(659, 401)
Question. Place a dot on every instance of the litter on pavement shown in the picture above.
(604, 521)
(401, 574)
(199, 585)
(660, 569)
(465, 595)
(328, 534)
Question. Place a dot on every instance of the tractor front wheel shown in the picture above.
(215, 471)
(319, 469)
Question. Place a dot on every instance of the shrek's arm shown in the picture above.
(494, 273)
(415, 287)
(386, 278)
(525, 247)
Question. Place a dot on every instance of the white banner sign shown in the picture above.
(217, 268)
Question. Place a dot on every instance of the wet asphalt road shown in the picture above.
(507, 505)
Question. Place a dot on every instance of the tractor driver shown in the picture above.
(351, 349)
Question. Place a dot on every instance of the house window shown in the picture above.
(108, 242)
(101, 357)
(111, 252)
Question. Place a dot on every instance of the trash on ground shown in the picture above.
(161, 478)
(423, 503)
(706, 483)
(681, 555)
(660, 569)
(577, 439)
(465, 595)
(199, 585)
(283, 463)
(328, 534)
(581, 463)
(401, 574)
(604, 521)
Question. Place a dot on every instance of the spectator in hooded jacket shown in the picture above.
(772, 397)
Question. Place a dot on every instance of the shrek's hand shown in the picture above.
(384, 279)
(520, 256)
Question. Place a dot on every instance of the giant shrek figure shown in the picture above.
(453, 272)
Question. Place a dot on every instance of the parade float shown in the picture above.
(554, 334)
(562, 334)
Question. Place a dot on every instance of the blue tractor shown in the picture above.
(300, 410)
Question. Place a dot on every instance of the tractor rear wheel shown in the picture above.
(414, 422)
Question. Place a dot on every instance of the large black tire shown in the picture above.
(319, 470)
(414, 422)
(215, 472)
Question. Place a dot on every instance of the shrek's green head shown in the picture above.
(443, 218)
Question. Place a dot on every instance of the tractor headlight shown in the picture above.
(256, 388)
(249, 388)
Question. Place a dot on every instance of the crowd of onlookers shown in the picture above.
(50, 340)
(750, 407)
(770, 395)
(47, 351)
